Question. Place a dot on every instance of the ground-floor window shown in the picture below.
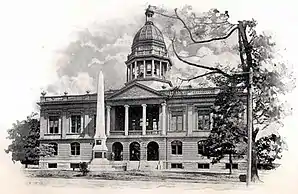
(74, 165)
(134, 149)
(176, 165)
(117, 151)
(52, 165)
(203, 165)
(75, 148)
(234, 166)
(176, 147)
(152, 151)
(55, 147)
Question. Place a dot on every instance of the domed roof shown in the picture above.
(149, 32)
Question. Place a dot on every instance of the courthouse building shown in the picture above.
(149, 124)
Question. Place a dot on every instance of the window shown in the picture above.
(55, 147)
(203, 165)
(234, 166)
(54, 124)
(75, 123)
(149, 68)
(203, 120)
(52, 165)
(176, 147)
(177, 121)
(98, 155)
(176, 165)
(74, 165)
(75, 148)
(201, 147)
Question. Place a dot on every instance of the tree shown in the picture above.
(25, 146)
(187, 30)
(223, 139)
(269, 148)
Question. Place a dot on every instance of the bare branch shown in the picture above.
(197, 65)
(168, 16)
(203, 41)
(196, 77)
(189, 56)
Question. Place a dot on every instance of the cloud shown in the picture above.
(94, 50)
(105, 46)
(95, 61)
(75, 84)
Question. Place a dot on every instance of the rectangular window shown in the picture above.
(148, 68)
(203, 120)
(75, 123)
(98, 155)
(203, 165)
(176, 165)
(52, 165)
(177, 121)
(234, 166)
(74, 165)
(54, 124)
(176, 147)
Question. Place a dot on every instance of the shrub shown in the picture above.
(84, 168)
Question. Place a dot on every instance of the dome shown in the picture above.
(149, 32)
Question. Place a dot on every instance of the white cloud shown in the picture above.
(92, 45)
(95, 61)
(74, 85)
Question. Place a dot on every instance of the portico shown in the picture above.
(136, 119)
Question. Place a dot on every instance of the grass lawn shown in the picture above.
(138, 176)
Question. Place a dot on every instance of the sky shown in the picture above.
(60, 45)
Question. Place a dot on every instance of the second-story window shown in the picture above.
(203, 120)
(177, 121)
(53, 124)
(75, 123)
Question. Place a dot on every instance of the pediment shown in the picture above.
(135, 91)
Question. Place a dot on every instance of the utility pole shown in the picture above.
(247, 49)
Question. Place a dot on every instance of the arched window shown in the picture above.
(134, 149)
(55, 147)
(201, 147)
(75, 148)
(117, 151)
(152, 151)
(176, 147)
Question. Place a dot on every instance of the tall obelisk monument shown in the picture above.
(100, 149)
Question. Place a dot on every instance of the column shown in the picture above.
(87, 120)
(60, 124)
(152, 67)
(144, 64)
(86, 123)
(211, 121)
(127, 74)
(144, 119)
(108, 120)
(82, 123)
(163, 107)
(126, 120)
(159, 72)
(131, 71)
(189, 119)
(43, 125)
(136, 70)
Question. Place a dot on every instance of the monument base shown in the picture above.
(101, 164)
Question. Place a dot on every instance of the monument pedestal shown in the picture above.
(100, 161)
